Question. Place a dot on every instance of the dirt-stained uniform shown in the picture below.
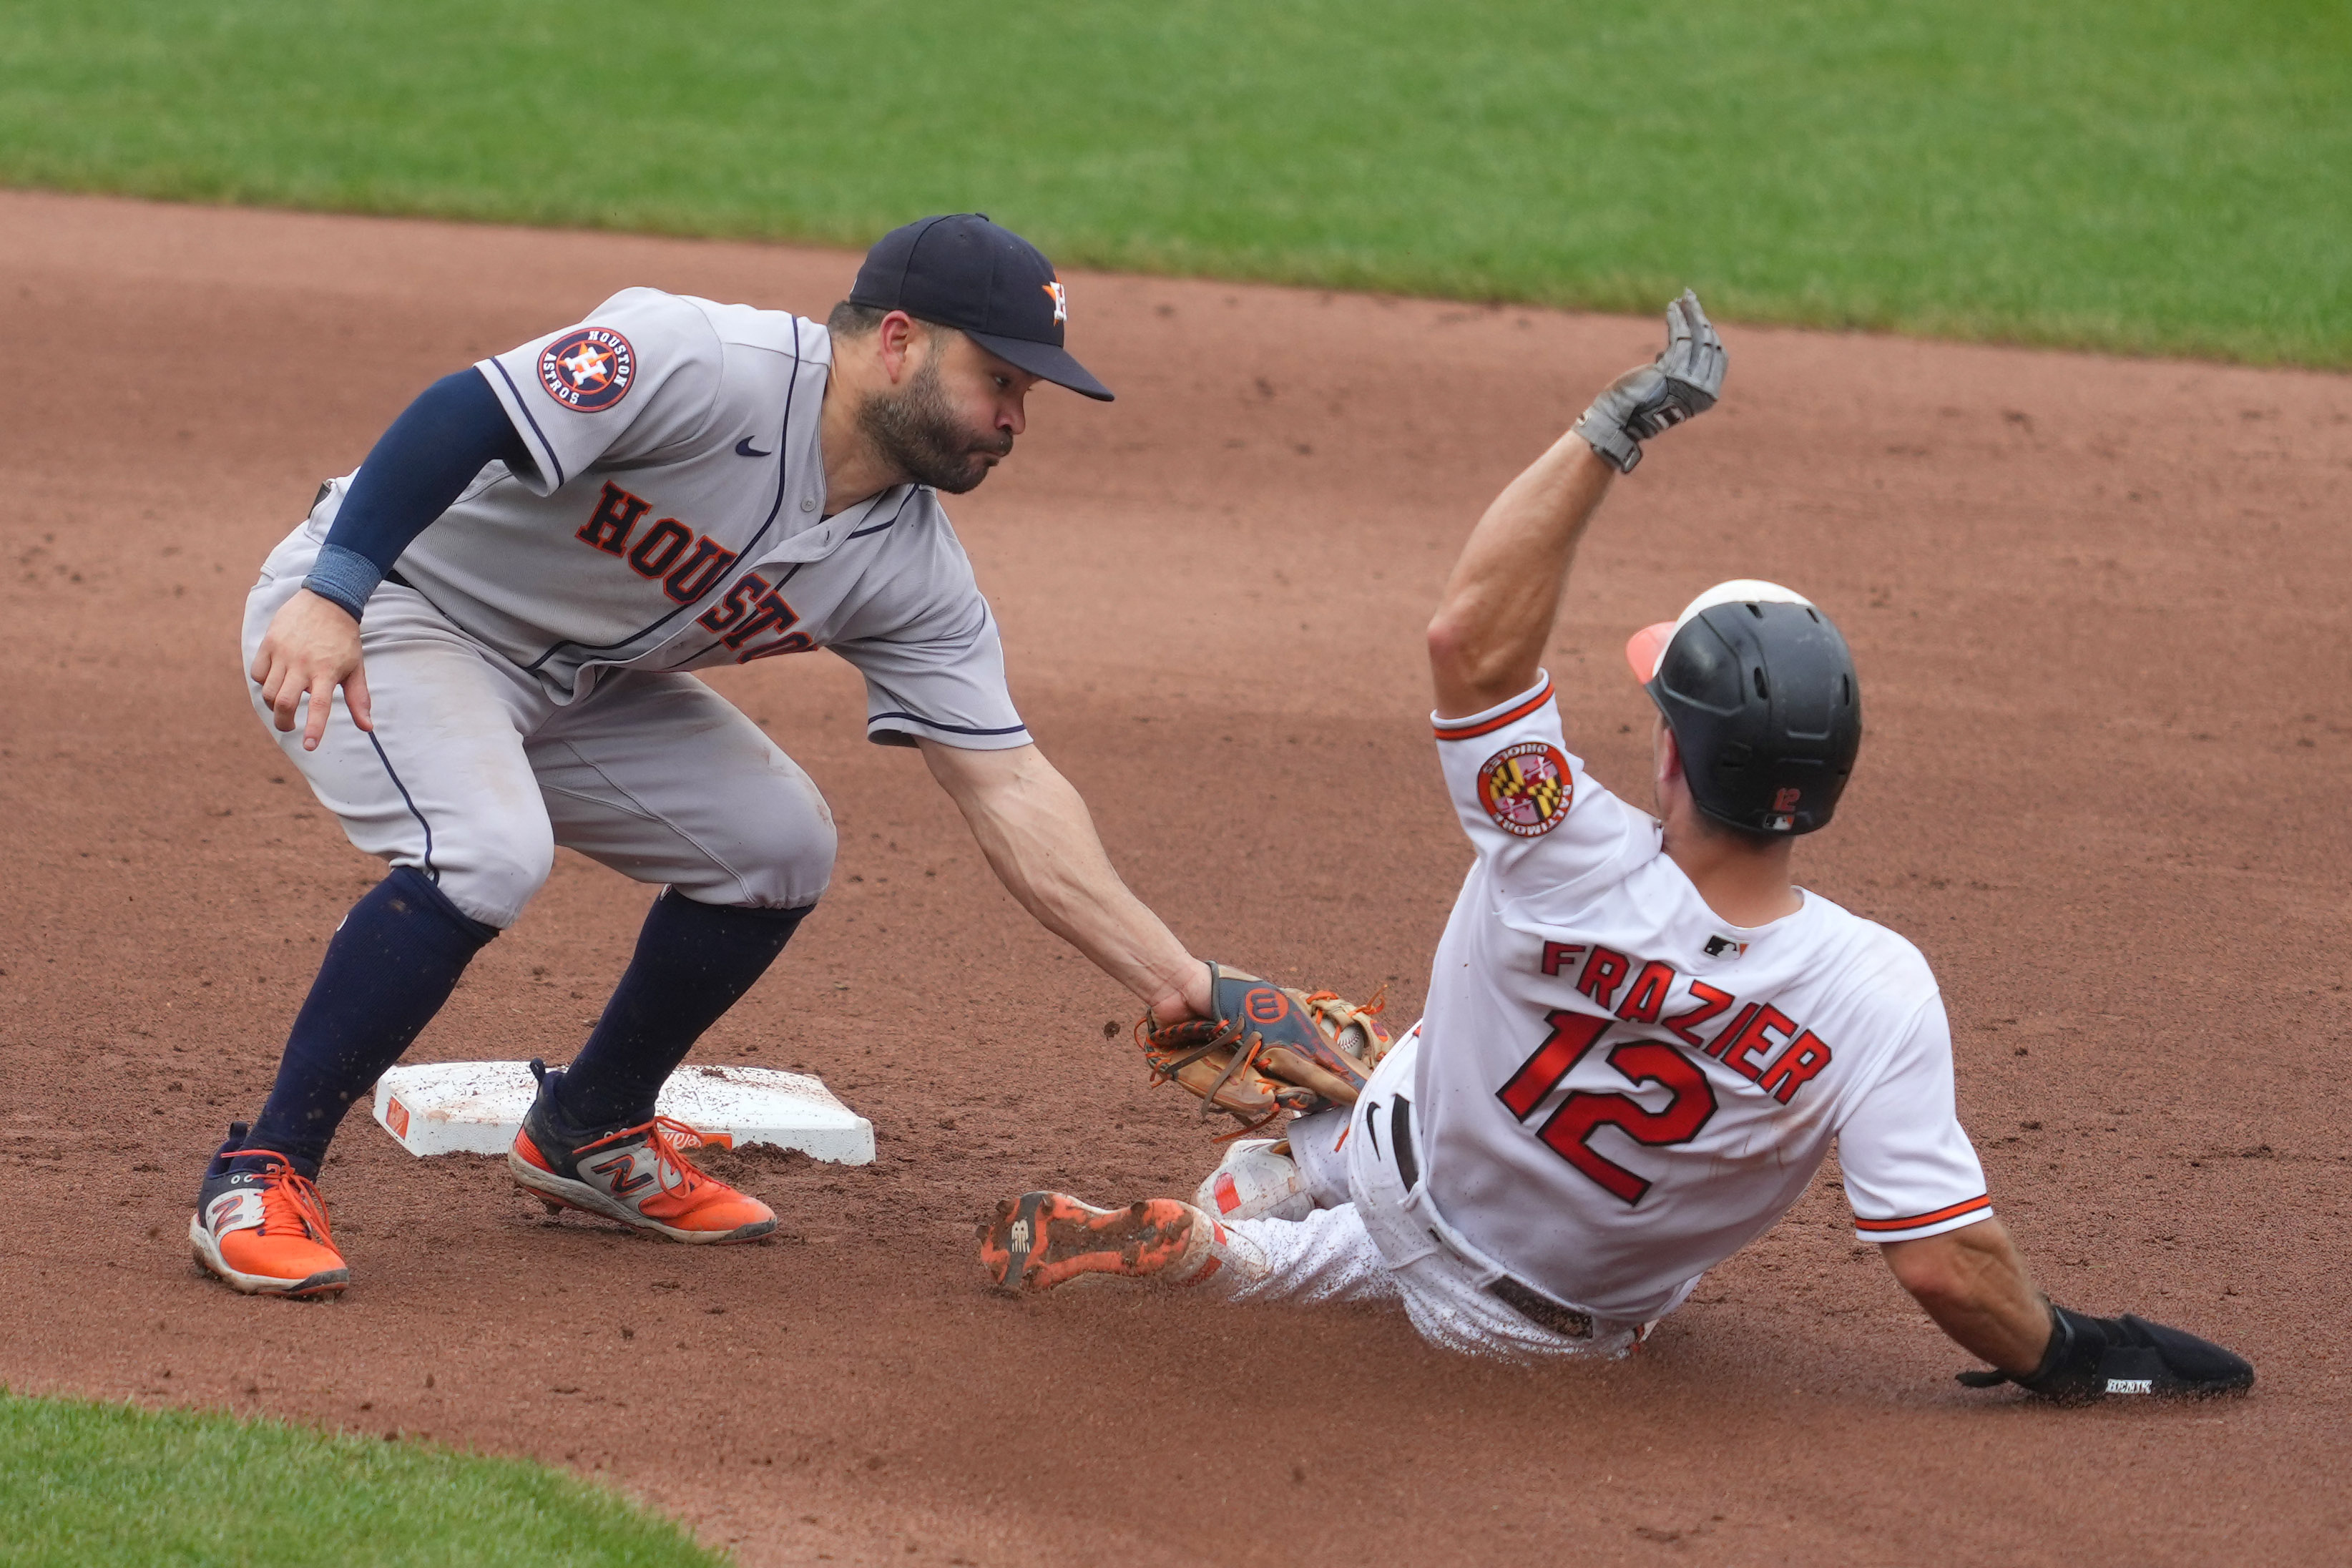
(1611, 1090)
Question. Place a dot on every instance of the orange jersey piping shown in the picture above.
(1518, 711)
(1953, 1211)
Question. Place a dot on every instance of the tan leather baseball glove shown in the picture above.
(1270, 1048)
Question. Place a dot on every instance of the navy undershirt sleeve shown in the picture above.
(424, 462)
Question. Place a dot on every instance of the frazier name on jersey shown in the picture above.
(1761, 1043)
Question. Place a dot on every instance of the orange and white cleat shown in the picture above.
(264, 1231)
(639, 1175)
(1039, 1240)
(1259, 1178)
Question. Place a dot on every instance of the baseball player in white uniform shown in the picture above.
(1642, 1038)
(477, 648)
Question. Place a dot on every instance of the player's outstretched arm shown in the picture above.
(1974, 1283)
(1040, 840)
(1488, 635)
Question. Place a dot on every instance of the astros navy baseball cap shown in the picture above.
(962, 271)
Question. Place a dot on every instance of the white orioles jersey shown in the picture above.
(677, 521)
(1616, 1091)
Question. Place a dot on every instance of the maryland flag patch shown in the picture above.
(1526, 788)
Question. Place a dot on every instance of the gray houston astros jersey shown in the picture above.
(676, 521)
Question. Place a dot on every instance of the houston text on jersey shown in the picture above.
(688, 565)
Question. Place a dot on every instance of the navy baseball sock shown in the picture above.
(389, 967)
(693, 962)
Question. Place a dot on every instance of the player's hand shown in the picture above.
(312, 647)
(1195, 999)
(1259, 1049)
(1681, 383)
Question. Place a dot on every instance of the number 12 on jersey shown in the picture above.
(1567, 1131)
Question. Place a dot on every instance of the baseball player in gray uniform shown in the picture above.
(477, 648)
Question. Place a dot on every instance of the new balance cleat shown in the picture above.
(1040, 1240)
(638, 1175)
(264, 1230)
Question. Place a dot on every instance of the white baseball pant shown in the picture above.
(1372, 1238)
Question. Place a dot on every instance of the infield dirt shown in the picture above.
(2099, 608)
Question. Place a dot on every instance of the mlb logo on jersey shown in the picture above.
(588, 370)
(1526, 788)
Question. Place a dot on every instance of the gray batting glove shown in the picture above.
(1680, 383)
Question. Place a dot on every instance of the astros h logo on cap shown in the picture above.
(962, 271)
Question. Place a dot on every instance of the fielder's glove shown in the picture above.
(2092, 1358)
(1681, 383)
(1269, 1049)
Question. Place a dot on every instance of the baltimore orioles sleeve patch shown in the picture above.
(1526, 788)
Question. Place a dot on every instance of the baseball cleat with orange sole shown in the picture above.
(1040, 1240)
(1259, 1178)
(638, 1175)
(265, 1232)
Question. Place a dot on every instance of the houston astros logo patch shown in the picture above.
(1525, 788)
(589, 370)
(1061, 298)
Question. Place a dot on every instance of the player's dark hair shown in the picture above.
(1750, 837)
(850, 320)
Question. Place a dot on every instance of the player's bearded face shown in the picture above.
(918, 429)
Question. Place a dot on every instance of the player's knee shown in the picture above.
(780, 857)
(492, 879)
(791, 871)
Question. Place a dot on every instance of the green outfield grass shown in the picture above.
(2141, 175)
(99, 1484)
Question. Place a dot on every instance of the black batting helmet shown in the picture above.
(1760, 690)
